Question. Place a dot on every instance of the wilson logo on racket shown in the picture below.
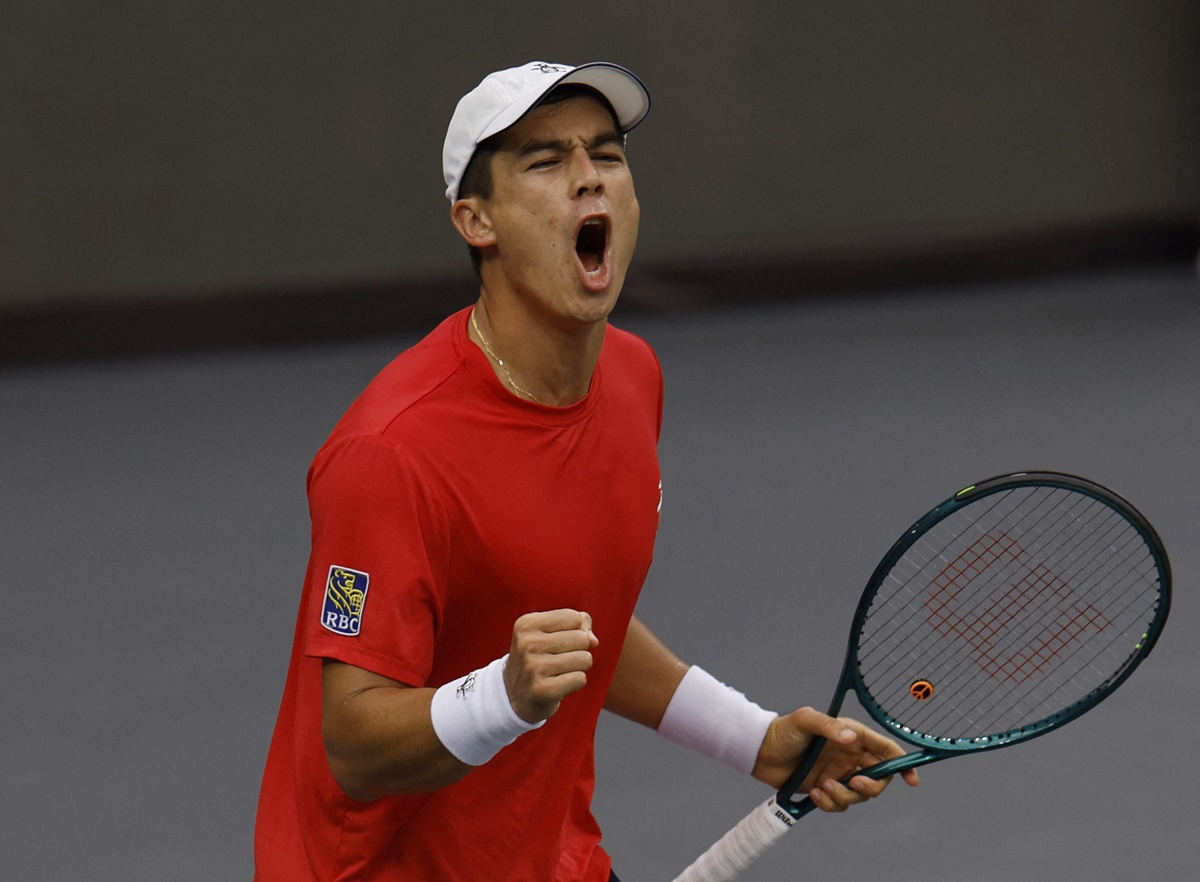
(345, 596)
(1067, 618)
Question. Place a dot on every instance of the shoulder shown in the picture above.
(412, 377)
(633, 375)
(628, 350)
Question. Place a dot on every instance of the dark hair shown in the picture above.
(477, 176)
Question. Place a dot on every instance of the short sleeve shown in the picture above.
(378, 557)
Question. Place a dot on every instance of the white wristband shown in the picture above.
(473, 717)
(716, 720)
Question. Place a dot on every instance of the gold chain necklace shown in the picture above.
(500, 361)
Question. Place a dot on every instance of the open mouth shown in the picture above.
(591, 243)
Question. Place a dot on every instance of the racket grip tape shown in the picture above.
(741, 846)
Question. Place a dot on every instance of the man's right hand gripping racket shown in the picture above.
(1010, 609)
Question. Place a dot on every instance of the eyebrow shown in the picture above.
(557, 146)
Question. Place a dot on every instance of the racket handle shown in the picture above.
(741, 846)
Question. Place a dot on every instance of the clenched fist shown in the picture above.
(549, 659)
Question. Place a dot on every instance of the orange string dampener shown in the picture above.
(921, 690)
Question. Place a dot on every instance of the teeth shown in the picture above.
(590, 245)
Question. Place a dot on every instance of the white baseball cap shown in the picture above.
(507, 95)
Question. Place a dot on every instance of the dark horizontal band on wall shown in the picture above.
(269, 316)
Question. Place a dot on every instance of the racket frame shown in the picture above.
(931, 748)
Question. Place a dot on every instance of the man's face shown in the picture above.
(563, 210)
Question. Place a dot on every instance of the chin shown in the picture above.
(599, 302)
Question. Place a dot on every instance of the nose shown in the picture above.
(587, 177)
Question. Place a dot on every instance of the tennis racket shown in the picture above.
(1012, 608)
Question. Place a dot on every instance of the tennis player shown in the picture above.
(483, 518)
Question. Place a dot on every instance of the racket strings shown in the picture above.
(919, 567)
(994, 658)
(903, 611)
(1036, 652)
(1013, 612)
(1021, 705)
(1041, 597)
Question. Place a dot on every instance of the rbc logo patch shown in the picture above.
(345, 594)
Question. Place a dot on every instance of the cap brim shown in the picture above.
(624, 91)
(621, 87)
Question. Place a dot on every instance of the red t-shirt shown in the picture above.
(443, 508)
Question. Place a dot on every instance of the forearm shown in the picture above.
(385, 737)
(685, 705)
(379, 737)
(646, 677)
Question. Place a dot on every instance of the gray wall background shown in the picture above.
(171, 149)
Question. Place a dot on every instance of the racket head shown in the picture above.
(1013, 607)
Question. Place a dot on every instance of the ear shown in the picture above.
(471, 219)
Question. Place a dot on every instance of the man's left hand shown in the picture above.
(850, 747)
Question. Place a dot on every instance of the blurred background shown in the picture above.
(886, 250)
(272, 171)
